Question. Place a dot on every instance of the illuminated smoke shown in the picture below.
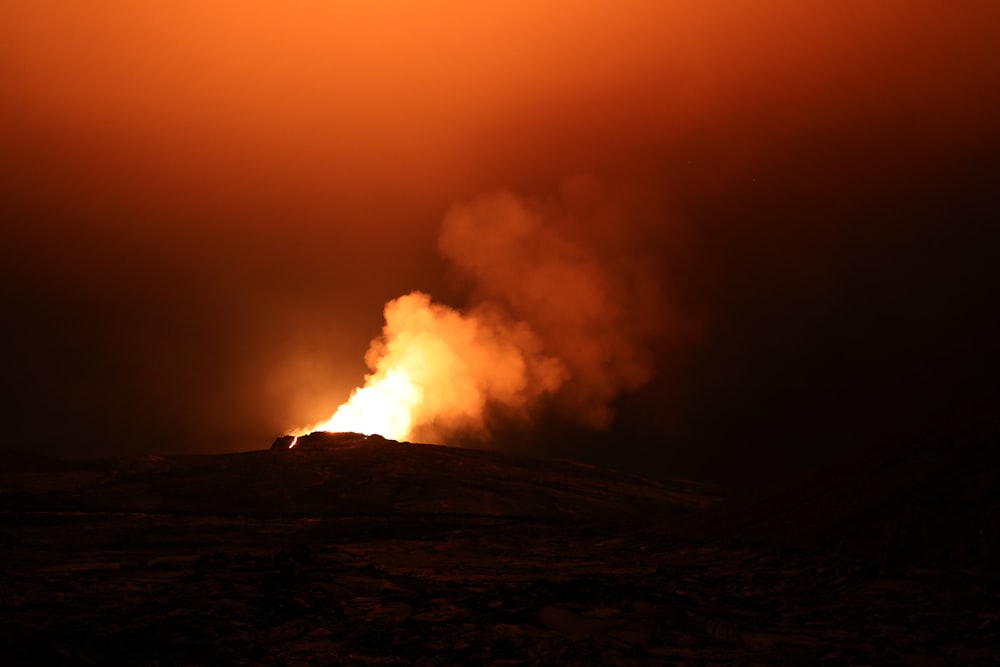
(516, 254)
(550, 316)
(435, 371)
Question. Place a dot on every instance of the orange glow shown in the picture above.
(385, 406)
(435, 371)
(205, 204)
(553, 320)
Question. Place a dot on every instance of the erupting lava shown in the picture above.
(435, 370)
(552, 320)
(384, 406)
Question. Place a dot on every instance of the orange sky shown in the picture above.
(207, 204)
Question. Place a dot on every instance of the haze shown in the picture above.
(207, 205)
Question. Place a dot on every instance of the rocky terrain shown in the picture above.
(348, 550)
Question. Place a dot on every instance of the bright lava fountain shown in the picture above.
(384, 406)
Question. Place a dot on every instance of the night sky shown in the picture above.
(205, 207)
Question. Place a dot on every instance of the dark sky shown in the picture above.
(206, 206)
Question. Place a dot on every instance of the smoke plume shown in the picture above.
(597, 318)
(553, 319)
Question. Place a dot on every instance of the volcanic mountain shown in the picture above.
(354, 475)
(357, 550)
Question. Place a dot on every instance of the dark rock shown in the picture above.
(390, 554)
(320, 440)
(282, 443)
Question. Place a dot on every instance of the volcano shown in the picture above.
(358, 550)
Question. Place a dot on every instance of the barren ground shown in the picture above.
(371, 552)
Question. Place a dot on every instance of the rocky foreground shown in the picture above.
(359, 551)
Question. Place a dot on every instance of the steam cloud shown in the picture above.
(553, 317)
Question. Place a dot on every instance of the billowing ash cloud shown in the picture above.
(596, 316)
(553, 318)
